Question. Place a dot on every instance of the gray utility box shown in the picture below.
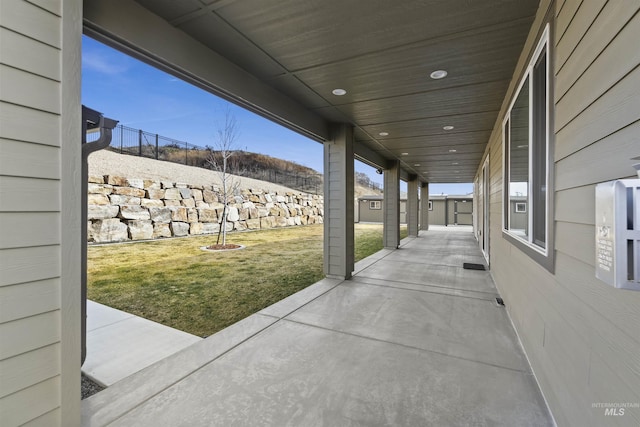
(618, 233)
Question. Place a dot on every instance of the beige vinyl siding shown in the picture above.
(339, 215)
(579, 334)
(391, 206)
(437, 214)
(367, 214)
(30, 212)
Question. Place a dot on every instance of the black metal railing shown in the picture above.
(137, 142)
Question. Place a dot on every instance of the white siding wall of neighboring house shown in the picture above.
(580, 335)
(34, 271)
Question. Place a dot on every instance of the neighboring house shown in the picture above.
(443, 210)
(369, 209)
(518, 213)
(451, 210)
(538, 93)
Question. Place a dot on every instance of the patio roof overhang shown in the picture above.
(284, 59)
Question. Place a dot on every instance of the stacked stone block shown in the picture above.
(121, 209)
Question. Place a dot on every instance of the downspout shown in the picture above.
(92, 121)
(446, 211)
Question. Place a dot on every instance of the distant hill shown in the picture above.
(279, 171)
(243, 163)
(255, 166)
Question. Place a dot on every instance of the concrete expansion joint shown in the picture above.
(422, 350)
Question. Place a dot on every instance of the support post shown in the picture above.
(391, 206)
(338, 203)
(424, 206)
(412, 206)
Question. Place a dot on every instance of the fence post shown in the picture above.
(121, 137)
(140, 142)
(186, 154)
(156, 146)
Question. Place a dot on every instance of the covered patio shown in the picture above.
(411, 339)
(426, 92)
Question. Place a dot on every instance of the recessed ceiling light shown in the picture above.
(455, 163)
(339, 92)
(404, 154)
(439, 74)
(384, 134)
(417, 164)
(452, 151)
(523, 146)
(448, 127)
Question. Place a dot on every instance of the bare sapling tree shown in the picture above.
(223, 149)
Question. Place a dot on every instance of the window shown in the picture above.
(374, 204)
(526, 155)
(430, 205)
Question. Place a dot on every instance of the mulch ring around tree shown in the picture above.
(220, 247)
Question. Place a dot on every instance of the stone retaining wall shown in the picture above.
(123, 208)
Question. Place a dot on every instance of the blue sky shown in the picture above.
(142, 97)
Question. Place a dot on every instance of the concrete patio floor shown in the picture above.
(120, 344)
(412, 340)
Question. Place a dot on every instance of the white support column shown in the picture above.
(424, 206)
(412, 206)
(338, 203)
(391, 206)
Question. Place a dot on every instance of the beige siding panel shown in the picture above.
(602, 161)
(576, 240)
(52, 6)
(602, 312)
(574, 328)
(576, 205)
(30, 20)
(580, 23)
(559, 5)
(29, 299)
(28, 195)
(29, 90)
(565, 17)
(30, 55)
(609, 22)
(28, 160)
(50, 419)
(600, 76)
(29, 334)
(612, 389)
(618, 108)
(43, 229)
(24, 124)
(17, 373)
(30, 403)
(569, 367)
(16, 265)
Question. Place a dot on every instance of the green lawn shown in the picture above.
(175, 283)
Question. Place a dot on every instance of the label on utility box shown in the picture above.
(605, 232)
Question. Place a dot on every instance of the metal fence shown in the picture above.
(137, 142)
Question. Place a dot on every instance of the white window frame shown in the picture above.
(521, 207)
(527, 241)
(375, 205)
